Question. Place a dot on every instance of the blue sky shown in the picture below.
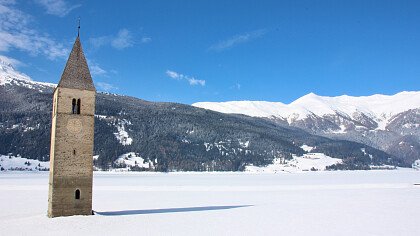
(191, 51)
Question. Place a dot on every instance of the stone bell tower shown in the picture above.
(71, 166)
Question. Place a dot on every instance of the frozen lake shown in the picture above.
(317, 203)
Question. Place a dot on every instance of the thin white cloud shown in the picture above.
(237, 86)
(57, 7)
(146, 40)
(98, 71)
(123, 40)
(7, 1)
(191, 80)
(95, 69)
(99, 41)
(172, 74)
(105, 86)
(237, 39)
(16, 32)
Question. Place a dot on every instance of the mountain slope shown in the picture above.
(380, 121)
(169, 136)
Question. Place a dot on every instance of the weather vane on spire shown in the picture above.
(78, 28)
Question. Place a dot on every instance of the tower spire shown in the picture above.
(76, 74)
(78, 28)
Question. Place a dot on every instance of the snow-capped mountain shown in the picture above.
(8, 75)
(166, 136)
(388, 122)
(379, 108)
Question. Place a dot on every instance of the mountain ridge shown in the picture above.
(381, 121)
(304, 105)
(169, 136)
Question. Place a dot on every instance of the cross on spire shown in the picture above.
(78, 28)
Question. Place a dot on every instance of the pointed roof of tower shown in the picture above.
(76, 74)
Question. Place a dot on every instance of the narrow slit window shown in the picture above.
(73, 106)
(74, 152)
(77, 194)
(78, 106)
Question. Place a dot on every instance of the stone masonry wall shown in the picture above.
(71, 153)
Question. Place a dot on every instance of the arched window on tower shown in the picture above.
(77, 194)
(73, 106)
(78, 106)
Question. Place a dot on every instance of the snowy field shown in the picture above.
(316, 203)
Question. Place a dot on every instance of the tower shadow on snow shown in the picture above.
(167, 210)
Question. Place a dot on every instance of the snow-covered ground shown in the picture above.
(19, 163)
(306, 203)
(416, 164)
(307, 162)
(132, 159)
